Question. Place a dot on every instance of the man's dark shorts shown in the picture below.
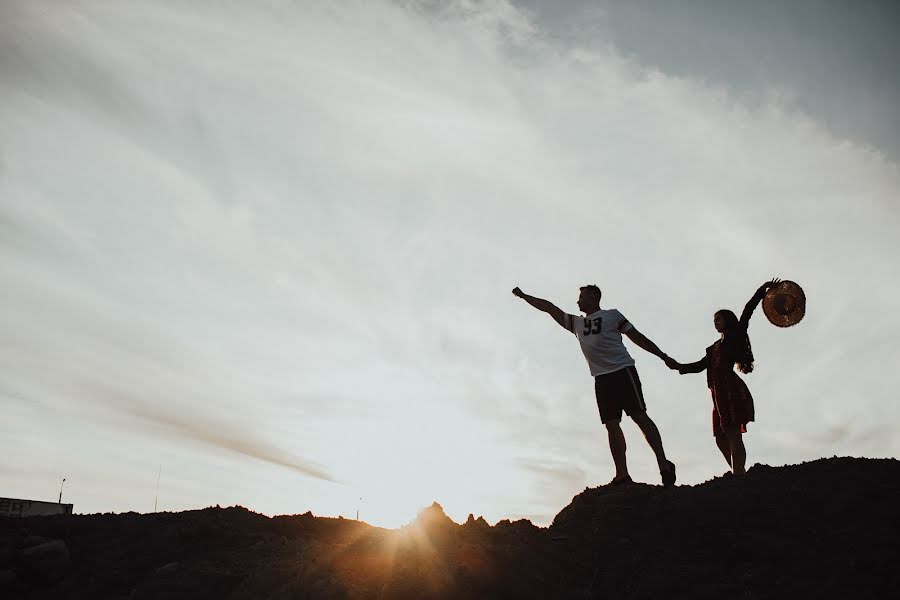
(618, 391)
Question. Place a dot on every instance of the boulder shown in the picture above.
(168, 569)
(33, 540)
(46, 562)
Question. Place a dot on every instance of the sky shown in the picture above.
(262, 253)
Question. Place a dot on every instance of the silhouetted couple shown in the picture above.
(618, 388)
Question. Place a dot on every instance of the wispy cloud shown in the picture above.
(262, 227)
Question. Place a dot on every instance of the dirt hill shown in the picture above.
(824, 529)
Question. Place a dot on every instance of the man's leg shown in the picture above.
(617, 448)
(634, 406)
(724, 445)
(651, 433)
(738, 452)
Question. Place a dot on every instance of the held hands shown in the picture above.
(675, 365)
(517, 292)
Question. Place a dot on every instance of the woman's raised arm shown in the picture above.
(755, 300)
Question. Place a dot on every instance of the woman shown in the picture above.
(732, 402)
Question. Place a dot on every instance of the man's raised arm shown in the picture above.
(545, 306)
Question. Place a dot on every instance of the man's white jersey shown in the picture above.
(600, 335)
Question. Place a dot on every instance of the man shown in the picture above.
(616, 382)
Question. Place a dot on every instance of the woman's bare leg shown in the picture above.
(724, 447)
(738, 452)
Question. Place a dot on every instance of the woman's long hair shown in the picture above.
(736, 342)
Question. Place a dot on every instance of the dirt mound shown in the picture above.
(825, 529)
(818, 530)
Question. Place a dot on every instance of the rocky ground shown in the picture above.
(824, 529)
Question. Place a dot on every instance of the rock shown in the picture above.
(47, 562)
(478, 523)
(519, 527)
(168, 569)
(33, 540)
(434, 516)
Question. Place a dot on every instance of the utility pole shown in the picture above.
(60, 490)
(156, 497)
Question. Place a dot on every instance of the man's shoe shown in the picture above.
(668, 476)
(622, 481)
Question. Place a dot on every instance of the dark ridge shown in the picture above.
(823, 529)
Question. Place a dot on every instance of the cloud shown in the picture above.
(257, 226)
(95, 367)
(758, 51)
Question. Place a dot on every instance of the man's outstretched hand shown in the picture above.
(675, 365)
(517, 292)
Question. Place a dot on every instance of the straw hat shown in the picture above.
(785, 304)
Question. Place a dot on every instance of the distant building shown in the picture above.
(14, 507)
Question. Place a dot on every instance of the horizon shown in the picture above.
(424, 517)
(269, 250)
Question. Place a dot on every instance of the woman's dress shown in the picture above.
(732, 402)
